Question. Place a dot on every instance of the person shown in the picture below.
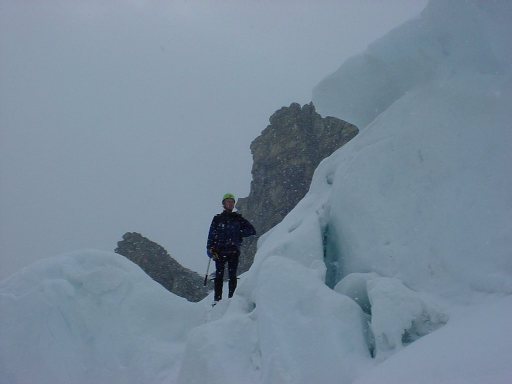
(224, 239)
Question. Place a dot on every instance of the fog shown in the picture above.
(138, 115)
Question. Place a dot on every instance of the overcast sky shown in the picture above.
(137, 115)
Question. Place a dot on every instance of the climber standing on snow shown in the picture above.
(224, 239)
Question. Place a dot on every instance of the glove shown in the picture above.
(212, 252)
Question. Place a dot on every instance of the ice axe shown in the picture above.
(215, 256)
(207, 269)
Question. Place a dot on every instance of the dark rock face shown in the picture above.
(285, 156)
(161, 267)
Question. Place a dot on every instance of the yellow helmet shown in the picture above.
(228, 196)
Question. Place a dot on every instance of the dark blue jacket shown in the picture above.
(227, 231)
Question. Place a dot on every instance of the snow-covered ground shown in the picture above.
(395, 268)
(90, 317)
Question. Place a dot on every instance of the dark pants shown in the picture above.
(231, 258)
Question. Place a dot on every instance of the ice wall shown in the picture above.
(423, 192)
(447, 38)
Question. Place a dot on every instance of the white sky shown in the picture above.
(138, 115)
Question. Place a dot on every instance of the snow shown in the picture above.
(395, 268)
(290, 325)
(423, 192)
(473, 348)
(445, 40)
(397, 314)
(90, 317)
(436, 218)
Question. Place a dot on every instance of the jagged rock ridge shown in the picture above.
(285, 156)
(161, 267)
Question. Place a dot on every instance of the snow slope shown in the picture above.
(395, 268)
(473, 348)
(90, 317)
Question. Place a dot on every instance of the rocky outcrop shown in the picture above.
(161, 267)
(285, 156)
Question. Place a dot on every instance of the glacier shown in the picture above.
(90, 317)
(395, 268)
(423, 193)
